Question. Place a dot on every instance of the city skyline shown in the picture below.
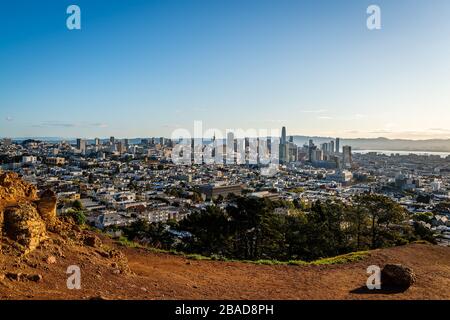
(237, 153)
(147, 68)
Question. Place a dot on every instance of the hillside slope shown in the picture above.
(165, 276)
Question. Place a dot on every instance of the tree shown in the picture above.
(383, 213)
(358, 222)
(251, 228)
(442, 207)
(423, 216)
(326, 222)
(137, 229)
(219, 199)
(77, 205)
(423, 198)
(210, 231)
(422, 233)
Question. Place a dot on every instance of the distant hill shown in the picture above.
(433, 145)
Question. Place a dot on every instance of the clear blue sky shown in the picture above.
(143, 68)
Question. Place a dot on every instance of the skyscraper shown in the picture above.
(81, 145)
(283, 152)
(292, 152)
(347, 156)
(121, 147)
(338, 141)
(318, 155)
(283, 135)
(311, 151)
(230, 149)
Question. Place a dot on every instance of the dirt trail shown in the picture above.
(164, 276)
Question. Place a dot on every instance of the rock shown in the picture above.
(24, 225)
(32, 264)
(51, 260)
(46, 206)
(23, 277)
(34, 277)
(116, 254)
(24, 217)
(59, 242)
(397, 275)
(59, 252)
(13, 189)
(103, 254)
(92, 241)
(14, 276)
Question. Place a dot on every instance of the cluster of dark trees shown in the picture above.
(252, 229)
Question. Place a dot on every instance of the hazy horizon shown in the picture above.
(206, 138)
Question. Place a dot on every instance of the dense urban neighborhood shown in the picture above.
(118, 182)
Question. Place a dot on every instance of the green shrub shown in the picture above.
(77, 216)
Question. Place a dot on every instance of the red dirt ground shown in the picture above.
(165, 276)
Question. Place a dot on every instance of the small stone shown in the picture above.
(34, 277)
(14, 276)
(93, 241)
(104, 254)
(51, 260)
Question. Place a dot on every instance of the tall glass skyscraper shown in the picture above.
(283, 135)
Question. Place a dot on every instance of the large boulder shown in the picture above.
(397, 275)
(46, 206)
(23, 224)
(92, 241)
(13, 189)
(24, 216)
